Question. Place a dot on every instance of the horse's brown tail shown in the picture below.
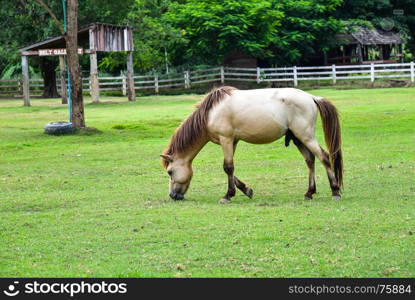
(332, 135)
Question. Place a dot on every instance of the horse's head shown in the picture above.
(180, 173)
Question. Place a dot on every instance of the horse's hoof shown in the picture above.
(308, 197)
(224, 201)
(249, 192)
(337, 198)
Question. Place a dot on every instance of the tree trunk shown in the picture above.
(47, 67)
(78, 119)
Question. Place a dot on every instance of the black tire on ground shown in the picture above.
(58, 128)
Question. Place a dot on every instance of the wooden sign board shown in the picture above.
(56, 52)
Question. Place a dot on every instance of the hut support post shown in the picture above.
(359, 53)
(64, 91)
(94, 81)
(25, 81)
(130, 76)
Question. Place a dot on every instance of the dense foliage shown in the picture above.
(202, 32)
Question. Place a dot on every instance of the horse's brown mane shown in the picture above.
(195, 126)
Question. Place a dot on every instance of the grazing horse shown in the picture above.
(228, 115)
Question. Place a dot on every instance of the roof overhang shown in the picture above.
(83, 38)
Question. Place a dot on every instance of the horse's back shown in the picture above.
(260, 115)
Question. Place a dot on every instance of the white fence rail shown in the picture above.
(186, 79)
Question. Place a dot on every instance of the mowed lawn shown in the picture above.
(97, 205)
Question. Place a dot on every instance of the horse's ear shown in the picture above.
(167, 157)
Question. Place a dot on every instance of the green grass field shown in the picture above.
(97, 205)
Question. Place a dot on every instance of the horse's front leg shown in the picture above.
(243, 188)
(228, 150)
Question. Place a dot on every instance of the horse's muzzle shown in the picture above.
(176, 196)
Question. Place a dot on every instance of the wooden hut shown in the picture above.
(96, 37)
(364, 45)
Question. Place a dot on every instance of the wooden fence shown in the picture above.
(290, 75)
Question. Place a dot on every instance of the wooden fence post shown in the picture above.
(258, 75)
(372, 72)
(156, 83)
(20, 86)
(222, 74)
(124, 84)
(187, 79)
(333, 73)
(25, 81)
(295, 76)
(412, 71)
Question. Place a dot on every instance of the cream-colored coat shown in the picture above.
(263, 115)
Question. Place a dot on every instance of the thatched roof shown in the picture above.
(376, 37)
(346, 39)
(366, 36)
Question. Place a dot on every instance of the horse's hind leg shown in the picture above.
(309, 159)
(323, 156)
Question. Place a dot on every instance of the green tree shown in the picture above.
(153, 37)
(278, 32)
(308, 27)
(211, 29)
